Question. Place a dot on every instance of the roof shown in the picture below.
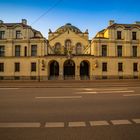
(68, 26)
(127, 26)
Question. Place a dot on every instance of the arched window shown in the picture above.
(67, 47)
(78, 48)
(67, 44)
(57, 48)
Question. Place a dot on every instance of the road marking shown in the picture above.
(123, 91)
(101, 89)
(136, 120)
(20, 125)
(86, 92)
(7, 88)
(129, 95)
(60, 97)
(98, 123)
(76, 124)
(119, 122)
(54, 124)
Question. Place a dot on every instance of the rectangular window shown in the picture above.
(18, 34)
(120, 66)
(34, 50)
(33, 67)
(2, 33)
(25, 51)
(17, 67)
(134, 51)
(17, 50)
(119, 51)
(1, 67)
(135, 67)
(2, 51)
(104, 66)
(134, 35)
(104, 50)
(119, 35)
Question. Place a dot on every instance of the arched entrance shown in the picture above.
(69, 69)
(84, 70)
(54, 70)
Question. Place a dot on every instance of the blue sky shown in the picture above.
(85, 14)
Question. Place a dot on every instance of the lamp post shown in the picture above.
(38, 70)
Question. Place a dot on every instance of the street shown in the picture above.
(70, 111)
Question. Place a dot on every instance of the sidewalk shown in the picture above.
(68, 83)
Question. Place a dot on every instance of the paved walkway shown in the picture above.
(68, 83)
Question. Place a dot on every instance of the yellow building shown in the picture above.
(68, 53)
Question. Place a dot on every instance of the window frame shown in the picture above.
(17, 52)
(2, 51)
(17, 67)
(1, 67)
(104, 67)
(33, 67)
(33, 51)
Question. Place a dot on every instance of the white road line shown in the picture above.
(86, 92)
(98, 123)
(129, 95)
(7, 125)
(136, 120)
(123, 91)
(119, 122)
(60, 97)
(76, 124)
(101, 89)
(54, 124)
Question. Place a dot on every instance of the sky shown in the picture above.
(93, 15)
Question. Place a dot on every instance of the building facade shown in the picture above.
(68, 53)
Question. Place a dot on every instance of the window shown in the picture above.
(17, 50)
(25, 51)
(78, 48)
(67, 45)
(119, 51)
(57, 48)
(33, 67)
(134, 35)
(104, 66)
(104, 50)
(120, 66)
(134, 51)
(2, 52)
(119, 35)
(34, 50)
(18, 34)
(1, 67)
(2, 33)
(135, 67)
(17, 67)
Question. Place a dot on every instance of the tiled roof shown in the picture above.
(124, 25)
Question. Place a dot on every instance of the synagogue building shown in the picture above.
(25, 54)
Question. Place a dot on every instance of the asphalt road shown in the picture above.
(110, 111)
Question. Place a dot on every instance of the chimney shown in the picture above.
(1, 21)
(24, 21)
(111, 22)
(137, 22)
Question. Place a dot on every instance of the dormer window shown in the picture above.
(2, 33)
(18, 34)
(134, 35)
(119, 35)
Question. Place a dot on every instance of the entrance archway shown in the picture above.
(84, 70)
(54, 70)
(69, 69)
